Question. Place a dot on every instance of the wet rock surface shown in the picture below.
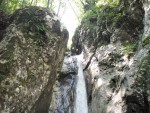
(32, 50)
(64, 89)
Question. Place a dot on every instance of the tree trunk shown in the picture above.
(23, 3)
(59, 7)
(48, 3)
(36, 3)
(1, 2)
(7, 6)
(31, 2)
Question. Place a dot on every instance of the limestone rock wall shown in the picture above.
(31, 52)
(117, 60)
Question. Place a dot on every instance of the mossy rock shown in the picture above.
(146, 41)
(129, 49)
(31, 50)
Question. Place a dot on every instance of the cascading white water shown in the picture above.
(81, 95)
(147, 20)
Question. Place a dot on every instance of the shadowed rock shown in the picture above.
(31, 52)
(63, 98)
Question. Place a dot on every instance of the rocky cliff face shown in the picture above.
(32, 49)
(117, 53)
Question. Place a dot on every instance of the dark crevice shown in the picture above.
(146, 103)
(89, 62)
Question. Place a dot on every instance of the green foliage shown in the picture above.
(13, 5)
(36, 24)
(129, 49)
(33, 24)
(104, 15)
(91, 14)
(146, 41)
(33, 18)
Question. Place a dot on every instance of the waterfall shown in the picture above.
(81, 95)
(147, 19)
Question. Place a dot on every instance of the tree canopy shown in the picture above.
(10, 6)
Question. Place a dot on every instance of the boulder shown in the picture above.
(31, 52)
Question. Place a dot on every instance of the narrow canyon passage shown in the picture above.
(81, 95)
(75, 56)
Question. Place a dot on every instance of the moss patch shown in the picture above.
(129, 49)
(146, 41)
(105, 15)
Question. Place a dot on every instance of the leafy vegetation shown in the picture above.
(129, 49)
(11, 5)
(100, 20)
(103, 12)
(146, 41)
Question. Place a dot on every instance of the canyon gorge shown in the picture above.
(106, 70)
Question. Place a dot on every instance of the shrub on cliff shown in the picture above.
(103, 14)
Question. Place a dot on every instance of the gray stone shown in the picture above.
(31, 52)
(118, 74)
(64, 89)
